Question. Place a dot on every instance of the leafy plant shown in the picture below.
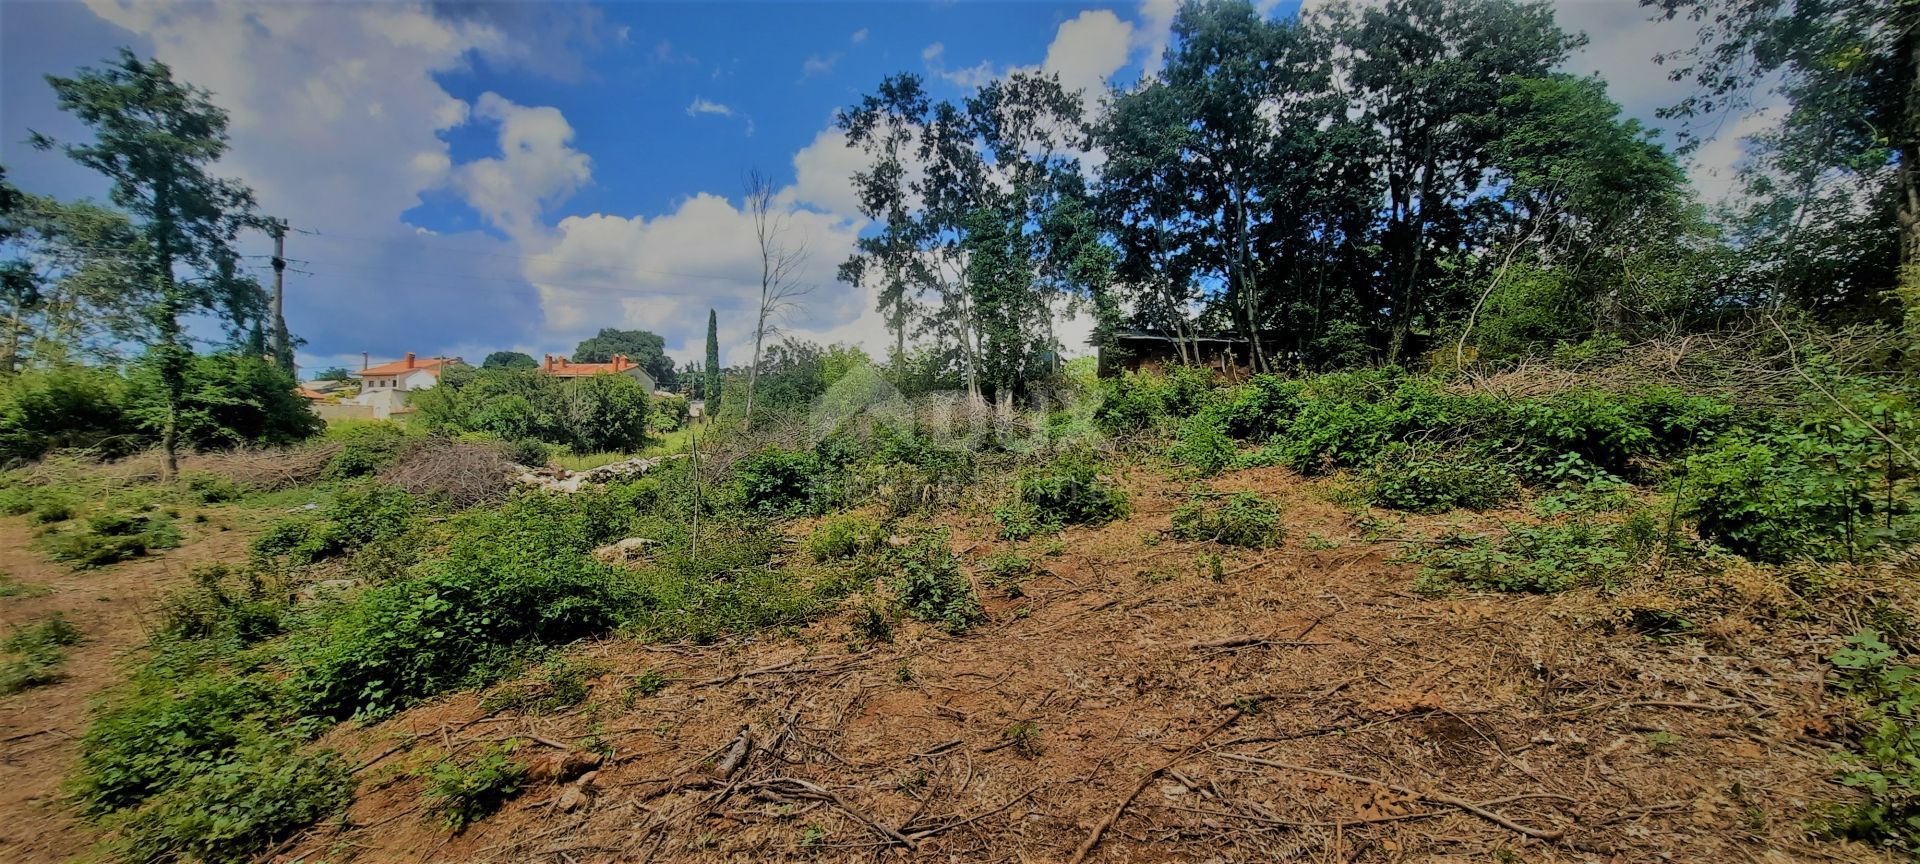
(845, 536)
(235, 810)
(928, 584)
(1243, 519)
(466, 793)
(1067, 491)
(1545, 558)
(1885, 763)
(1402, 478)
(39, 651)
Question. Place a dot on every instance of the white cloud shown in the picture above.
(707, 106)
(1087, 50)
(819, 65)
(663, 272)
(823, 174)
(1156, 28)
(537, 167)
(933, 53)
(858, 36)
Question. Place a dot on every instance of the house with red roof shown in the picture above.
(384, 388)
(561, 367)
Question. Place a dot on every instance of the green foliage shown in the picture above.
(1008, 571)
(529, 452)
(210, 488)
(235, 810)
(1827, 492)
(466, 793)
(926, 581)
(1203, 444)
(777, 481)
(1545, 558)
(1243, 519)
(509, 360)
(221, 603)
(163, 735)
(38, 650)
(643, 348)
(606, 412)
(1066, 491)
(360, 514)
(1885, 763)
(66, 407)
(1402, 478)
(226, 401)
(845, 536)
(366, 448)
(112, 537)
(1135, 401)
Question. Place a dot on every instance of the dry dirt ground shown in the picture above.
(40, 727)
(1137, 703)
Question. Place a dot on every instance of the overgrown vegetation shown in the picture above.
(32, 654)
(1240, 519)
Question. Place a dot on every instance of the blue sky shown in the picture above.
(474, 177)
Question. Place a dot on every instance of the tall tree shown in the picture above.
(509, 360)
(780, 260)
(155, 140)
(645, 348)
(710, 389)
(967, 228)
(1836, 191)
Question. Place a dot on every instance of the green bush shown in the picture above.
(1402, 478)
(39, 650)
(361, 514)
(1204, 445)
(1070, 491)
(220, 603)
(1798, 494)
(1243, 519)
(606, 413)
(1885, 763)
(1135, 401)
(845, 536)
(529, 452)
(1542, 559)
(230, 400)
(111, 538)
(777, 481)
(66, 407)
(928, 584)
(235, 810)
(155, 740)
(209, 488)
(365, 448)
(466, 793)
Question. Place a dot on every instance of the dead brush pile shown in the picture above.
(266, 469)
(463, 474)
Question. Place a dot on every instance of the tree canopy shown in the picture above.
(646, 349)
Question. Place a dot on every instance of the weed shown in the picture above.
(928, 583)
(845, 536)
(1883, 692)
(1401, 478)
(872, 623)
(1244, 519)
(236, 810)
(1660, 742)
(1543, 558)
(111, 538)
(1008, 571)
(466, 793)
(11, 587)
(648, 683)
(40, 650)
(225, 603)
(1023, 736)
(1067, 491)
(561, 684)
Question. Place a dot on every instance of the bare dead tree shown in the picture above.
(780, 290)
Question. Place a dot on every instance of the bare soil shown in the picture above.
(40, 728)
(1306, 705)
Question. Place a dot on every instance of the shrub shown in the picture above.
(1244, 519)
(1402, 478)
(606, 412)
(365, 448)
(1203, 444)
(845, 536)
(112, 537)
(1134, 401)
(1070, 491)
(1886, 751)
(1543, 559)
(465, 794)
(233, 811)
(777, 481)
(231, 400)
(929, 586)
(39, 651)
(221, 603)
(561, 684)
(66, 407)
(529, 452)
(1796, 494)
(210, 488)
(153, 741)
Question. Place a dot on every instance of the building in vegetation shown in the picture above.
(384, 388)
(1230, 354)
(561, 367)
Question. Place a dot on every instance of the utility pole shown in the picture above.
(282, 353)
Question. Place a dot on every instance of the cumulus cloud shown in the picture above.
(858, 36)
(661, 272)
(819, 65)
(702, 106)
(537, 168)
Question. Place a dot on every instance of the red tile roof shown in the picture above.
(398, 367)
(561, 367)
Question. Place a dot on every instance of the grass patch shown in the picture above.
(1242, 519)
(35, 653)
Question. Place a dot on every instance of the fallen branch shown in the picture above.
(737, 753)
(1093, 836)
(1435, 797)
(794, 786)
(1252, 642)
(939, 829)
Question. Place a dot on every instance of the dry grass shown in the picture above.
(1306, 706)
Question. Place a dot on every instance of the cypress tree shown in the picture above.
(711, 388)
